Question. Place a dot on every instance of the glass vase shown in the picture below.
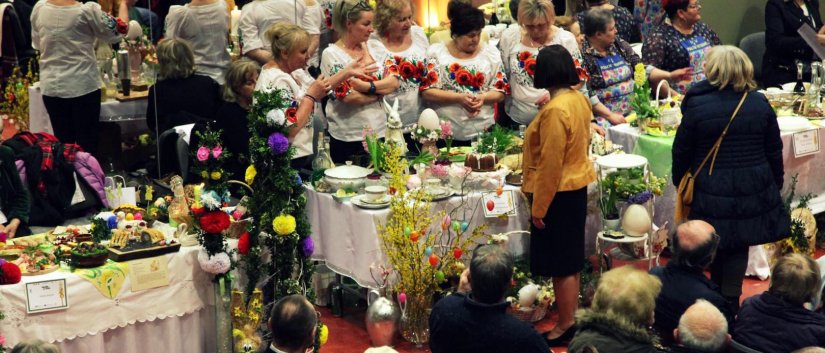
(223, 321)
(415, 326)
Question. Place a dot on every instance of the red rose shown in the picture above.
(9, 273)
(464, 77)
(530, 66)
(243, 243)
(292, 115)
(407, 70)
(478, 81)
(524, 55)
(214, 221)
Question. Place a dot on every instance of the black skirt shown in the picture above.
(558, 249)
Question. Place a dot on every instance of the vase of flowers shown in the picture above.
(427, 138)
(646, 112)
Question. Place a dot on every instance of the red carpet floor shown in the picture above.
(348, 334)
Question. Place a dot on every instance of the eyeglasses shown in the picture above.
(360, 6)
(695, 5)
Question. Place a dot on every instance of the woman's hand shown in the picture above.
(470, 103)
(319, 87)
(360, 70)
(598, 129)
(615, 118)
(11, 228)
(683, 74)
(538, 222)
(543, 100)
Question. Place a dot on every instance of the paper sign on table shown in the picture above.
(805, 143)
(46, 296)
(148, 273)
(499, 205)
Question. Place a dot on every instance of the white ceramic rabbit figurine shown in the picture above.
(394, 125)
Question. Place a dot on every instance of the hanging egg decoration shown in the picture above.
(433, 260)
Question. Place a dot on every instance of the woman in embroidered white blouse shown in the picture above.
(64, 31)
(469, 78)
(204, 23)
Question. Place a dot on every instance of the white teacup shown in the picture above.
(375, 192)
(432, 183)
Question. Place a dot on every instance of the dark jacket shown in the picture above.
(182, 101)
(609, 333)
(741, 199)
(14, 198)
(783, 44)
(459, 324)
(681, 287)
(770, 324)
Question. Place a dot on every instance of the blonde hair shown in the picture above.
(388, 10)
(533, 9)
(348, 11)
(629, 293)
(35, 346)
(236, 76)
(565, 22)
(285, 37)
(176, 59)
(726, 65)
(795, 278)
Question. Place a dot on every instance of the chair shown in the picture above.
(737, 347)
(754, 46)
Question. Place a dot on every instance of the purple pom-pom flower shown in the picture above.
(112, 222)
(278, 143)
(2, 261)
(641, 197)
(307, 246)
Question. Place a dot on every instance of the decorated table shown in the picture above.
(346, 237)
(132, 113)
(179, 317)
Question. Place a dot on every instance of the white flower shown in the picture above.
(433, 135)
(275, 117)
(215, 264)
(210, 200)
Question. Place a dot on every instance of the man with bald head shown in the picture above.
(684, 280)
(702, 328)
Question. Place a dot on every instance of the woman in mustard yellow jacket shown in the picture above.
(556, 173)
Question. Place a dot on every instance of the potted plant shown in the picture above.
(607, 205)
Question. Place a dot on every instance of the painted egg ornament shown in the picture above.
(237, 214)
(490, 205)
(456, 226)
(457, 253)
(428, 251)
(138, 216)
(439, 276)
(636, 221)
(407, 231)
(414, 236)
(428, 119)
(433, 260)
(402, 298)
(464, 226)
(499, 191)
(130, 217)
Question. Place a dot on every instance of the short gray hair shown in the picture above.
(703, 327)
(35, 346)
(176, 59)
(595, 21)
(236, 76)
(491, 270)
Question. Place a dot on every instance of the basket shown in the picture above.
(533, 314)
(236, 228)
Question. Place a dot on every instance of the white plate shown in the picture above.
(371, 205)
(441, 193)
(793, 123)
(788, 87)
(622, 161)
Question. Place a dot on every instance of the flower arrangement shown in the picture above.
(209, 158)
(497, 141)
(628, 185)
(640, 101)
(423, 134)
(802, 239)
(375, 148)
(15, 104)
(278, 204)
(447, 134)
(526, 296)
(426, 248)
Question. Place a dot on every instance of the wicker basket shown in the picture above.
(533, 314)
(236, 228)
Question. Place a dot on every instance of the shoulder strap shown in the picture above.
(715, 149)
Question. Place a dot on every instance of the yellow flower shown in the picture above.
(639, 74)
(284, 225)
(324, 334)
(216, 175)
(249, 177)
(204, 174)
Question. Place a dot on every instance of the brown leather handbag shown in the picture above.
(684, 193)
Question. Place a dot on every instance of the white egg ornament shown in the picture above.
(636, 221)
(135, 31)
(429, 120)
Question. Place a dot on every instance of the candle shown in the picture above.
(198, 195)
(234, 18)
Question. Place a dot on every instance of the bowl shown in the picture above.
(90, 261)
(346, 177)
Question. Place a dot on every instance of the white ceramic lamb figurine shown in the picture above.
(395, 128)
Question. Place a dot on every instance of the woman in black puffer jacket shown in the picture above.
(738, 193)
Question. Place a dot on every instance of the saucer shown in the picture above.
(439, 193)
(362, 202)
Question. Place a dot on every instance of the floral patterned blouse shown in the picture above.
(611, 75)
(412, 69)
(669, 49)
(648, 14)
(519, 64)
(476, 75)
(626, 24)
(347, 121)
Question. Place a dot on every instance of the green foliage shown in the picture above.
(100, 230)
(211, 169)
(498, 140)
(789, 198)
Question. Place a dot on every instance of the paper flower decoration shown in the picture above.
(9, 273)
(275, 117)
(217, 151)
(323, 336)
(210, 200)
(215, 264)
(214, 221)
(243, 243)
(250, 174)
(284, 225)
(203, 154)
(308, 246)
(216, 175)
(278, 143)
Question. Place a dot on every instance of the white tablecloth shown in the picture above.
(176, 318)
(346, 238)
(131, 112)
